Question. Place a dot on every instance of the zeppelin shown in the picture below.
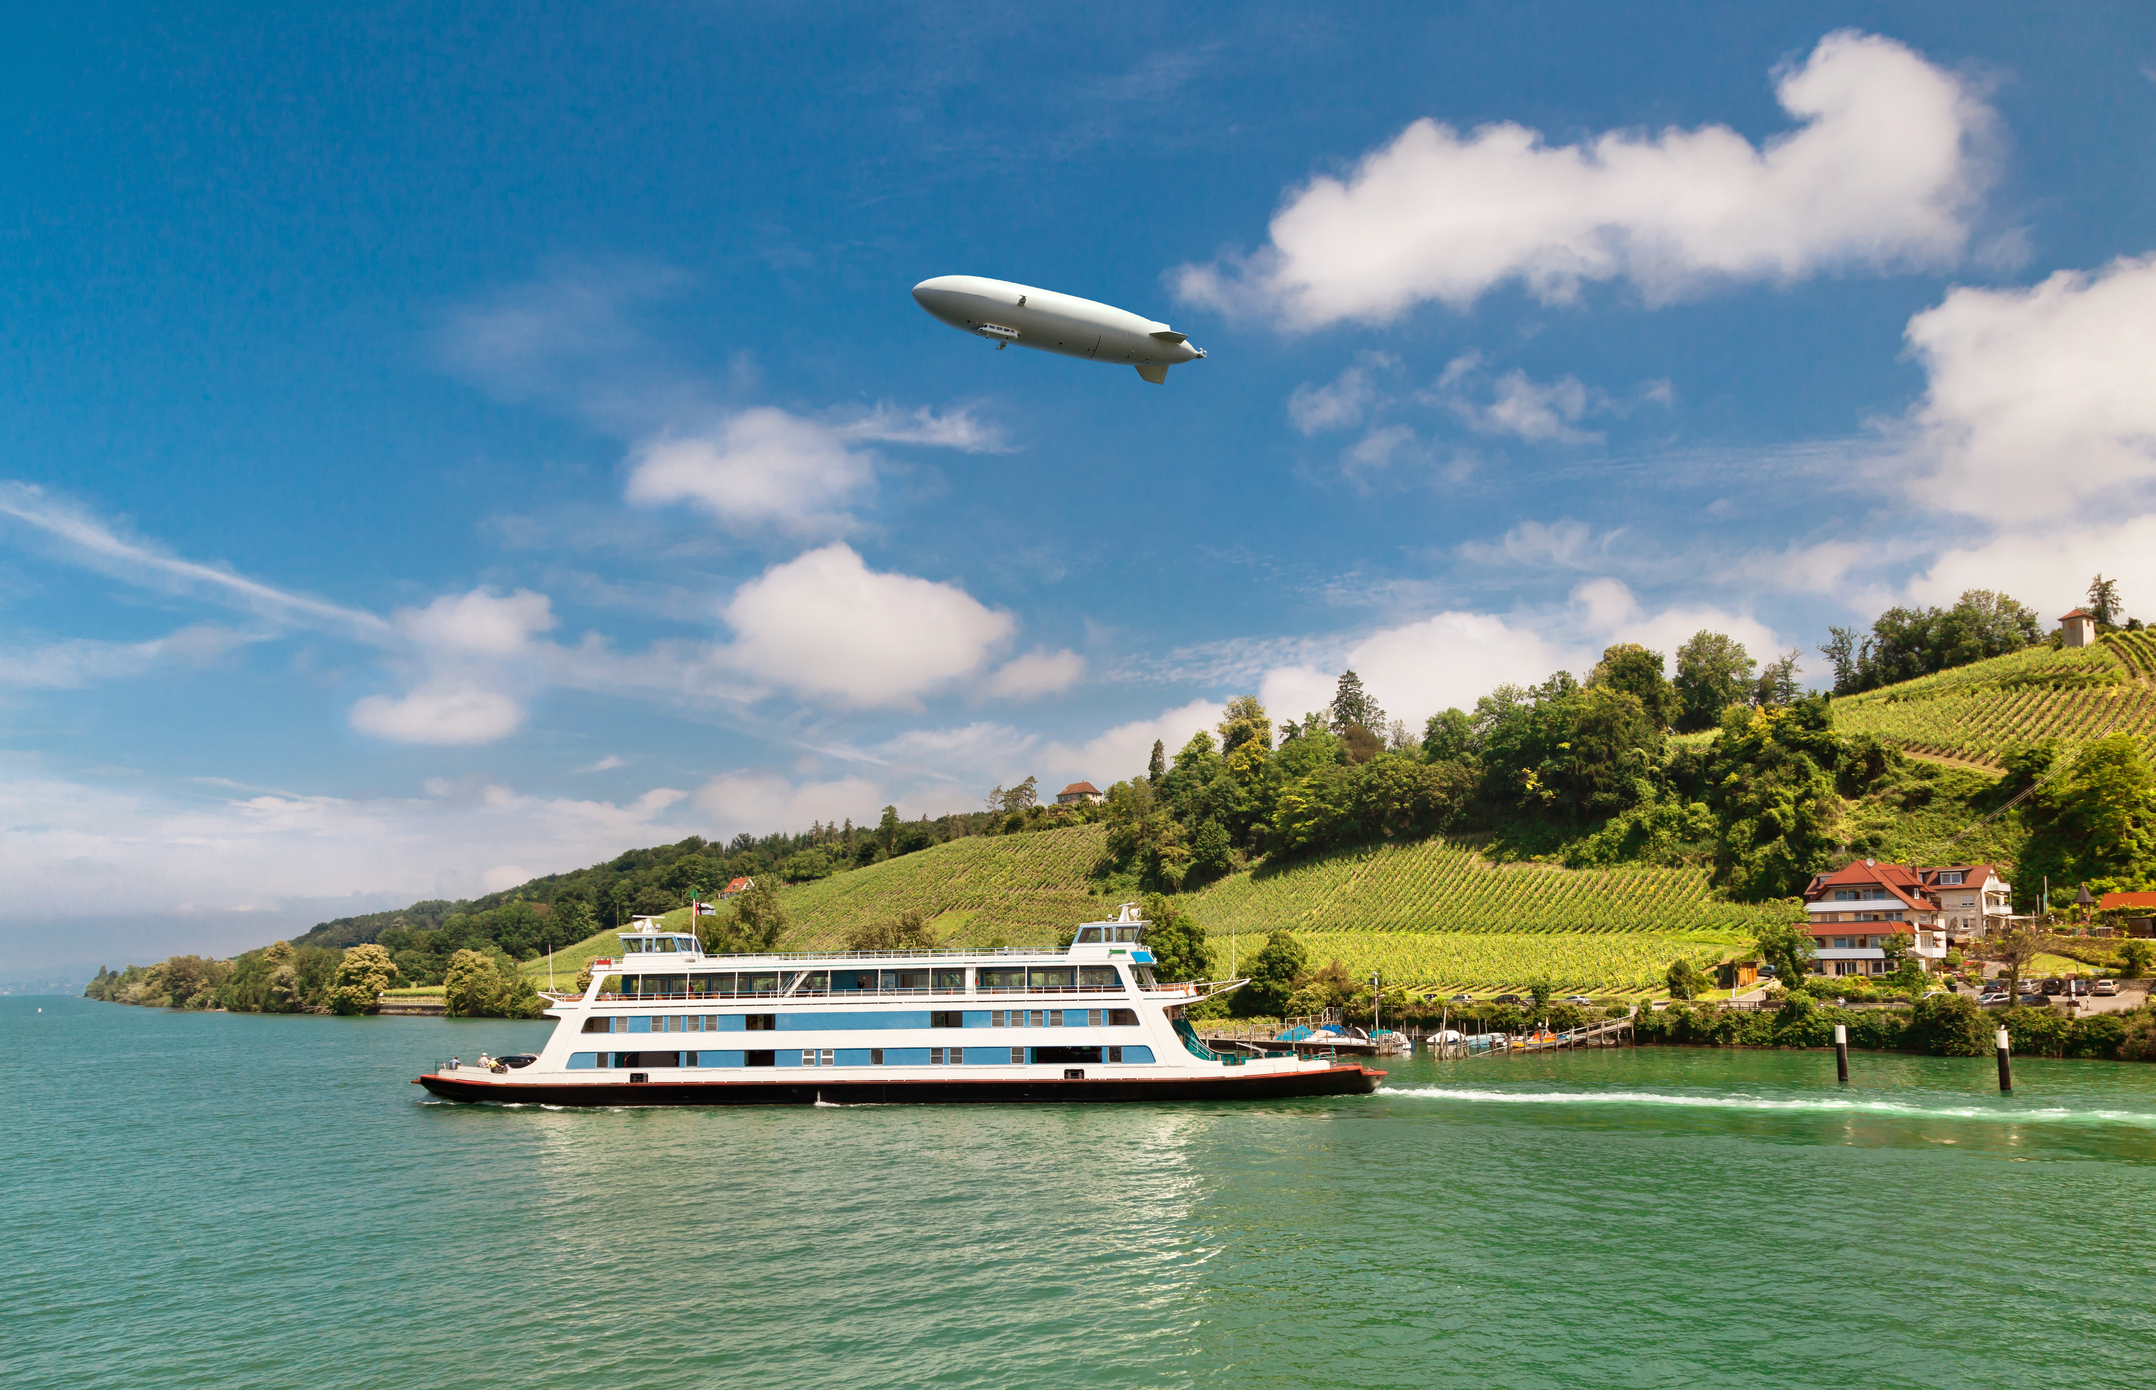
(1005, 313)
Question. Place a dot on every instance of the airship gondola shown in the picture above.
(1006, 313)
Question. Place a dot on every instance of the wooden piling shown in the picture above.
(2006, 1070)
(1841, 1053)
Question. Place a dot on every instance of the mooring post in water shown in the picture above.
(2006, 1069)
(1841, 1053)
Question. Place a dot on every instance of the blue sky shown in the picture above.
(443, 449)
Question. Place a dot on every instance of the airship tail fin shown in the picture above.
(1157, 375)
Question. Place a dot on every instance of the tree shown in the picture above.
(1176, 940)
(1789, 949)
(1156, 767)
(1211, 854)
(361, 977)
(1684, 979)
(887, 831)
(1244, 722)
(1905, 643)
(1631, 668)
(1448, 737)
(2095, 822)
(910, 932)
(2134, 959)
(2104, 600)
(1771, 786)
(806, 867)
(471, 985)
(1713, 673)
(570, 922)
(1778, 681)
(2014, 949)
(1023, 797)
(758, 919)
(1362, 745)
(1353, 705)
(1273, 974)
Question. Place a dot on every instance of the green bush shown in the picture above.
(361, 977)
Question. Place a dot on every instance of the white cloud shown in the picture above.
(1445, 660)
(1290, 692)
(471, 652)
(605, 764)
(2040, 399)
(825, 624)
(440, 713)
(761, 468)
(953, 429)
(1564, 542)
(1035, 674)
(1341, 402)
(1121, 753)
(80, 661)
(2048, 570)
(761, 803)
(1610, 614)
(226, 873)
(1883, 171)
(1536, 412)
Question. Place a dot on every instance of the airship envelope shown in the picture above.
(1006, 313)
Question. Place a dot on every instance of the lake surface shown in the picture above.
(234, 1200)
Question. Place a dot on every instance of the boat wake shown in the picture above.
(1819, 1105)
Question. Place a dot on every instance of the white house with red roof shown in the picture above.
(736, 887)
(2078, 628)
(1078, 792)
(1852, 913)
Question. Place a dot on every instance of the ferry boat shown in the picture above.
(665, 1024)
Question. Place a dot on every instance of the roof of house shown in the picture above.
(1086, 787)
(2078, 613)
(1901, 882)
(2112, 900)
(1971, 874)
(738, 884)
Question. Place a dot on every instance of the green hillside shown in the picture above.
(1975, 712)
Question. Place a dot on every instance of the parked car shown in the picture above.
(2054, 985)
(2076, 987)
(1463, 998)
(2032, 997)
(1509, 999)
(2107, 987)
(1992, 996)
(1580, 999)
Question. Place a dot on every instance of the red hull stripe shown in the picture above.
(1334, 1081)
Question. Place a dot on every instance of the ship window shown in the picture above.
(848, 981)
(1123, 1018)
(810, 982)
(909, 981)
(1066, 1054)
(759, 1059)
(598, 1025)
(875, 1056)
(1018, 1056)
(762, 1023)
(950, 1018)
(1036, 1018)
(1052, 977)
(757, 982)
(951, 981)
(1055, 1018)
(1098, 977)
(1002, 977)
(1145, 977)
(1127, 933)
(722, 983)
(1092, 1018)
(1088, 936)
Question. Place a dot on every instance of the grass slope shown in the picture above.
(1437, 913)
(1974, 712)
(1020, 890)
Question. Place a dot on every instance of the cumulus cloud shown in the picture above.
(2048, 571)
(1035, 674)
(221, 873)
(440, 712)
(1341, 402)
(1884, 170)
(1417, 669)
(469, 653)
(1121, 753)
(1564, 542)
(825, 624)
(760, 468)
(761, 803)
(2039, 399)
(1610, 613)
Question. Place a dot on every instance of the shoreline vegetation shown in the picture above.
(1625, 836)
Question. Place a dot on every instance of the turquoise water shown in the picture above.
(231, 1200)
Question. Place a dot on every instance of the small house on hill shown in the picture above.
(1078, 792)
(735, 888)
(2078, 628)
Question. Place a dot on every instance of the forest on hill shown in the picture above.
(1714, 764)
